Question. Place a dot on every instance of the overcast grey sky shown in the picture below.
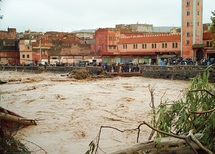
(70, 15)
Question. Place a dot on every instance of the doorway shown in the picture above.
(199, 55)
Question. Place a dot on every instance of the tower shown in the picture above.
(192, 29)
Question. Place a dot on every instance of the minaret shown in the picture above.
(192, 29)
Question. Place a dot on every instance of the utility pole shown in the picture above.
(40, 52)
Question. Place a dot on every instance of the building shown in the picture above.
(9, 47)
(192, 30)
(191, 41)
(136, 27)
(85, 35)
(118, 47)
(54, 48)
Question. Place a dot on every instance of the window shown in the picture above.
(209, 44)
(198, 13)
(23, 56)
(134, 46)
(28, 56)
(124, 46)
(198, 23)
(188, 33)
(187, 41)
(144, 46)
(110, 38)
(164, 45)
(188, 13)
(154, 45)
(174, 45)
(188, 23)
(188, 3)
(112, 46)
(198, 3)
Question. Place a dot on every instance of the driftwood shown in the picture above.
(2, 82)
(11, 122)
(3, 110)
(11, 118)
(166, 146)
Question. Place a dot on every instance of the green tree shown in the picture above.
(194, 112)
(212, 28)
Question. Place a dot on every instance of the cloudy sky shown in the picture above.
(70, 15)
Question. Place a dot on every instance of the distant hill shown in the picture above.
(163, 28)
(155, 29)
(85, 30)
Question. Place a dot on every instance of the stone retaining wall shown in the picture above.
(175, 72)
(54, 69)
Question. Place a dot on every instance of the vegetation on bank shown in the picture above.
(191, 119)
(196, 112)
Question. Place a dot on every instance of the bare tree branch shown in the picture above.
(202, 112)
(208, 92)
(152, 105)
(37, 146)
(138, 134)
(199, 143)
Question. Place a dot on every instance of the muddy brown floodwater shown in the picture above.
(70, 112)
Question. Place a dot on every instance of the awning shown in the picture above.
(198, 45)
(168, 56)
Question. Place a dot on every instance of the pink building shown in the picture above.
(118, 47)
(192, 30)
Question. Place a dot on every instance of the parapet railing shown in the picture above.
(175, 72)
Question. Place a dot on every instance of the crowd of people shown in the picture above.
(128, 66)
(187, 61)
(118, 67)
